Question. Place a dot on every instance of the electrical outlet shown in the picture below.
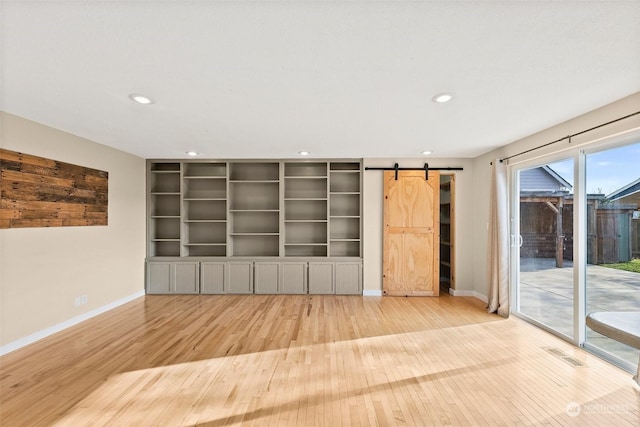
(81, 300)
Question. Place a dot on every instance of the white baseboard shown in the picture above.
(371, 293)
(461, 293)
(12, 346)
(455, 293)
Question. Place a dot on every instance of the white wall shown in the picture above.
(373, 219)
(43, 270)
(482, 171)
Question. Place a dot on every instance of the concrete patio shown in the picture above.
(546, 295)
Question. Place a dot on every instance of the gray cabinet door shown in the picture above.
(321, 278)
(159, 277)
(240, 277)
(213, 277)
(173, 277)
(348, 278)
(266, 277)
(186, 278)
(293, 278)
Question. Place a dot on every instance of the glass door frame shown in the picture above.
(514, 215)
(578, 153)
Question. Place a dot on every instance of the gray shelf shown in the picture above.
(165, 205)
(254, 171)
(205, 188)
(165, 228)
(201, 208)
(166, 248)
(204, 201)
(167, 167)
(446, 212)
(345, 209)
(206, 233)
(205, 169)
(256, 245)
(206, 250)
(254, 195)
(345, 182)
(344, 205)
(253, 227)
(344, 248)
(305, 250)
(305, 169)
(165, 182)
(305, 209)
(305, 232)
(345, 228)
(205, 209)
(252, 222)
(163, 209)
(345, 166)
(305, 188)
(305, 203)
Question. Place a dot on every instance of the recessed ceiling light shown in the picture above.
(192, 153)
(304, 153)
(441, 98)
(426, 153)
(140, 99)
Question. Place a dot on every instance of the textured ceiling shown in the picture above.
(339, 79)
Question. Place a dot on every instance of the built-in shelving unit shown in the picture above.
(164, 209)
(254, 209)
(305, 207)
(259, 226)
(345, 206)
(204, 199)
(447, 184)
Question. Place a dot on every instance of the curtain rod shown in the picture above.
(570, 136)
(425, 168)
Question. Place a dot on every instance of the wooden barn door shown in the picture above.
(411, 233)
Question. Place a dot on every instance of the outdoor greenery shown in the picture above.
(633, 265)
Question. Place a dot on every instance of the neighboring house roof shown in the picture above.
(543, 179)
(630, 193)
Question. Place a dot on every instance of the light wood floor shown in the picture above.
(309, 361)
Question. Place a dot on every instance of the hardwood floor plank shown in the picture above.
(309, 360)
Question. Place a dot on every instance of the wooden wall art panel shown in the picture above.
(39, 192)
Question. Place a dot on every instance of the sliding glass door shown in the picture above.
(613, 238)
(576, 241)
(545, 244)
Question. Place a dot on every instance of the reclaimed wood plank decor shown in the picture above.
(39, 192)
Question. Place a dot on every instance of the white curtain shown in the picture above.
(498, 247)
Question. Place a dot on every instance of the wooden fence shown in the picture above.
(612, 236)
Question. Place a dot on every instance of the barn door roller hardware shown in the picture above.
(425, 168)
